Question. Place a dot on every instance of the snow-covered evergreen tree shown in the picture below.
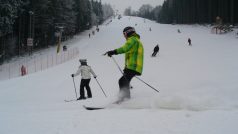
(8, 15)
(107, 11)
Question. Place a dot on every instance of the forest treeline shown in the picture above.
(42, 20)
(189, 11)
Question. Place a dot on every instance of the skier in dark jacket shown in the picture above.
(134, 55)
(189, 42)
(156, 50)
(85, 71)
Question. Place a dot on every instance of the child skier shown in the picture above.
(85, 71)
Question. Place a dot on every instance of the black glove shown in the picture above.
(95, 77)
(112, 52)
(72, 75)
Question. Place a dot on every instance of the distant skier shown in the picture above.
(150, 29)
(89, 35)
(85, 71)
(93, 32)
(97, 29)
(156, 50)
(134, 54)
(189, 42)
(179, 31)
(64, 48)
(23, 70)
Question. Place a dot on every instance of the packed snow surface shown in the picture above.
(198, 90)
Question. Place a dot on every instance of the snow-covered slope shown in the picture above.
(198, 86)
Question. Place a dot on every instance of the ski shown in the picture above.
(116, 103)
(113, 104)
(93, 108)
(70, 100)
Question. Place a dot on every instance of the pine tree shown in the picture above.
(8, 12)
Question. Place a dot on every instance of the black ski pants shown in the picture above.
(124, 82)
(85, 83)
(154, 53)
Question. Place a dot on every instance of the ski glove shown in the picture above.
(72, 75)
(112, 52)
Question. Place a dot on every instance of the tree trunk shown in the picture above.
(232, 12)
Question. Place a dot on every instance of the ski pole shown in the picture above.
(147, 84)
(136, 77)
(101, 87)
(117, 65)
(75, 88)
(120, 69)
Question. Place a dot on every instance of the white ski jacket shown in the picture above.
(85, 71)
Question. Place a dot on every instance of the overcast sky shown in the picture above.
(135, 4)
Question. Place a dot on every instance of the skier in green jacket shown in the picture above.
(134, 54)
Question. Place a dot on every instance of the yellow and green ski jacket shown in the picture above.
(134, 53)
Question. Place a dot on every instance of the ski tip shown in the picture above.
(70, 100)
(92, 108)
